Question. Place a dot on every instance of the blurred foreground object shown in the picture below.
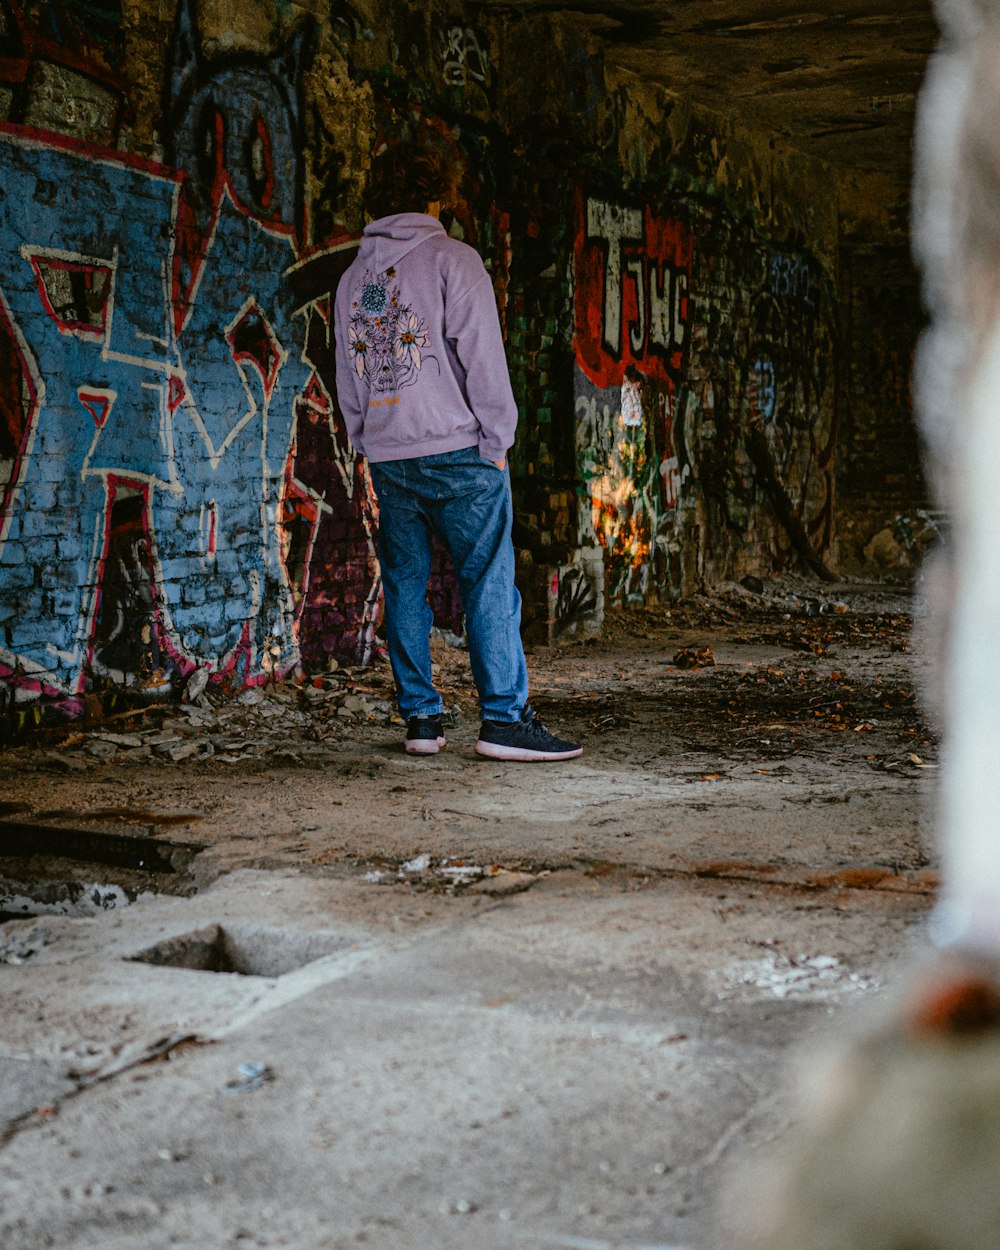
(956, 232)
(899, 1142)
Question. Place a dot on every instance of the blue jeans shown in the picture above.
(466, 501)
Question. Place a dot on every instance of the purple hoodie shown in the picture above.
(420, 357)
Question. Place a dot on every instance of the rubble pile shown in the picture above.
(282, 721)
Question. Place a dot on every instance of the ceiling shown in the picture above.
(837, 80)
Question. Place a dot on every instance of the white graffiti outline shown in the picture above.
(31, 423)
(462, 56)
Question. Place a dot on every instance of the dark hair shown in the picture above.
(406, 178)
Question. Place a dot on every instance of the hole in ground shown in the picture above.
(248, 950)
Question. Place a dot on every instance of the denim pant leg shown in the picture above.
(404, 547)
(475, 522)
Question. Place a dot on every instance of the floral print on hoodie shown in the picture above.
(387, 338)
(421, 364)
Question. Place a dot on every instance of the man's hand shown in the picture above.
(501, 464)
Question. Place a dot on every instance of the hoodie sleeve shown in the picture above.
(473, 325)
(348, 392)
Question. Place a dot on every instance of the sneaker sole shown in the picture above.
(495, 752)
(424, 746)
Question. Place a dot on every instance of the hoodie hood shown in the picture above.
(386, 241)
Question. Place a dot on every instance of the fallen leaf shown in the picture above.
(691, 657)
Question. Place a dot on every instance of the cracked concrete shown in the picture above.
(481, 1006)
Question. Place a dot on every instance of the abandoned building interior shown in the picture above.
(696, 218)
(467, 1008)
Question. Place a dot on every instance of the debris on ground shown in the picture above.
(295, 722)
(21, 940)
(694, 657)
(780, 975)
(282, 720)
(445, 875)
(251, 1076)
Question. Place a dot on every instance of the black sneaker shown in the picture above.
(424, 735)
(524, 739)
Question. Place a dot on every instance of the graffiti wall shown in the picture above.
(147, 445)
(177, 488)
(182, 184)
(632, 332)
(156, 514)
(704, 397)
(62, 68)
(786, 409)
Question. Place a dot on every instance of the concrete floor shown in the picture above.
(490, 1007)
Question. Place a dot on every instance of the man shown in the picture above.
(423, 386)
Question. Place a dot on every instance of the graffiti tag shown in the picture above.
(463, 56)
(632, 275)
(791, 278)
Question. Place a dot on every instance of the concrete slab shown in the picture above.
(482, 1007)
(563, 1067)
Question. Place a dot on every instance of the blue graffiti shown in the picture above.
(237, 114)
(184, 396)
(767, 388)
(791, 277)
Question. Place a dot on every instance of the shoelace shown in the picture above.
(533, 725)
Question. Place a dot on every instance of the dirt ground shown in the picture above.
(607, 961)
(793, 716)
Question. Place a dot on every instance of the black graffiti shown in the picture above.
(126, 645)
(576, 598)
